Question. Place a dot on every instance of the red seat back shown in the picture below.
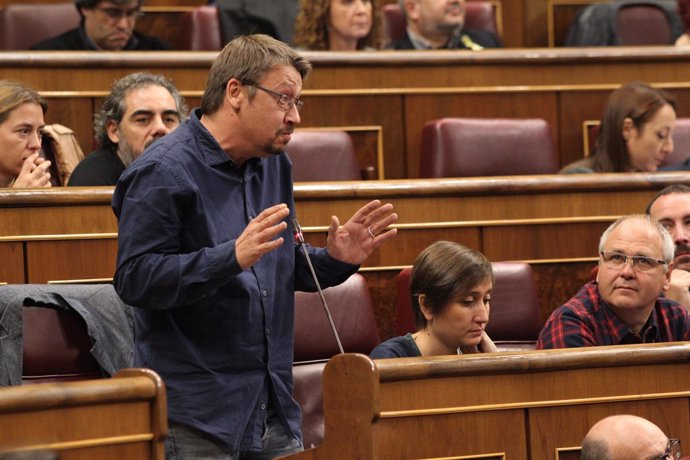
(200, 29)
(462, 147)
(24, 25)
(323, 156)
(353, 314)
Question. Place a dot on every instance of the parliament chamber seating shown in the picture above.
(353, 315)
(23, 25)
(323, 156)
(200, 29)
(515, 319)
(63, 333)
(56, 346)
(478, 15)
(467, 147)
(626, 23)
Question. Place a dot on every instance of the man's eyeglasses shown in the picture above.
(672, 451)
(639, 263)
(285, 101)
(115, 14)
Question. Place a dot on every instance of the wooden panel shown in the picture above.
(550, 241)
(560, 428)
(71, 260)
(379, 408)
(122, 417)
(12, 267)
(380, 110)
(473, 434)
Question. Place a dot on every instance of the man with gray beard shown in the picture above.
(140, 108)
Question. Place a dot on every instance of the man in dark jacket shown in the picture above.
(105, 25)
(438, 24)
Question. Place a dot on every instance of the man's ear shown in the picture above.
(410, 9)
(426, 311)
(234, 93)
(629, 129)
(667, 278)
(113, 131)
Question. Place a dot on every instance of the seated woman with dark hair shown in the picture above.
(451, 289)
(635, 132)
(338, 25)
(21, 125)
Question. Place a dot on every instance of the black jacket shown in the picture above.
(478, 36)
(76, 39)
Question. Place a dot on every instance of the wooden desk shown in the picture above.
(392, 94)
(535, 405)
(121, 417)
(552, 222)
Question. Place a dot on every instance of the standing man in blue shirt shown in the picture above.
(206, 254)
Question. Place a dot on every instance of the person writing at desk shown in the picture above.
(635, 132)
(21, 124)
(207, 257)
(451, 289)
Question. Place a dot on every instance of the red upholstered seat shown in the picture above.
(478, 15)
(23, 25)
(56, 346)
(644, 24)
(515, 319)
(308, 392)
(323, 156)
(353, 315)
(200, 29)
(462, 147)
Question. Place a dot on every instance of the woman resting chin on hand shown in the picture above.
(451, 289)
(21, 126)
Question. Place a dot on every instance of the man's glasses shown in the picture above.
(640, 263)
(284, 101)
(115, 14)
(672, 451)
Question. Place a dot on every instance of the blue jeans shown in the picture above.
(185, 443)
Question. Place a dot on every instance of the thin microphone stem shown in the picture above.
(300, 240)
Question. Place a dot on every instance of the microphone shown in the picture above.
(299, 239)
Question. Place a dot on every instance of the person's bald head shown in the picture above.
(623, 437)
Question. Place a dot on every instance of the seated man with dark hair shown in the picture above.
(105, 25)
(623, 305)
(140, 108)
(671, 207)
(439, 24)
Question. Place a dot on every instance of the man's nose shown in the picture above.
(679, 233)
(292, 116)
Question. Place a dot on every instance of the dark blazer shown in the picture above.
(479, 36)
(76, 40)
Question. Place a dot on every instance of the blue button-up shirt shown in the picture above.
(221, 337)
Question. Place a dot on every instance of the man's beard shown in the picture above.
(682, 257)
(126, 152)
